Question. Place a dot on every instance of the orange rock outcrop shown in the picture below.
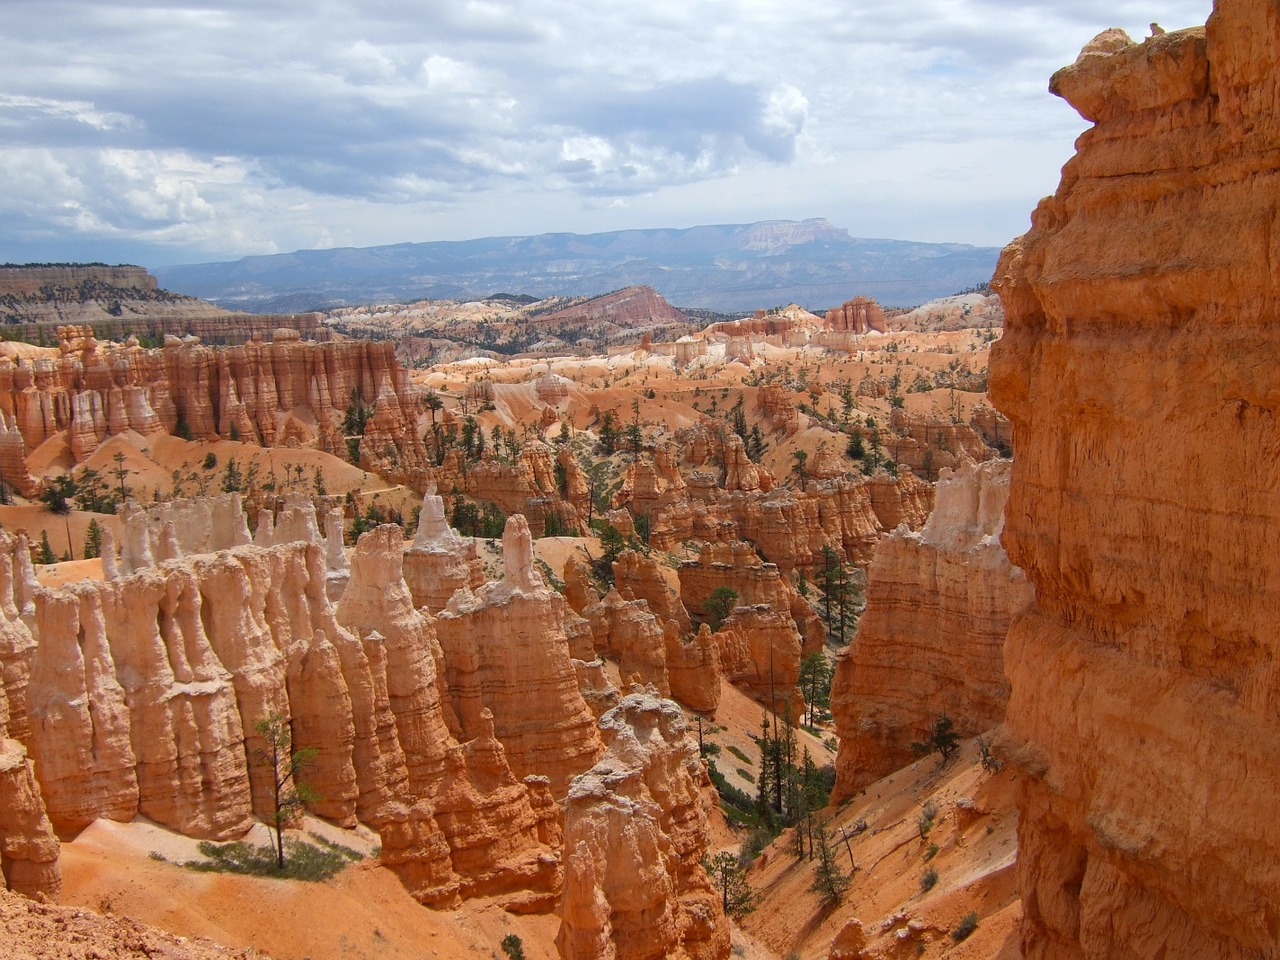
(635, 836)
(790, 527)
(282, 392)
(440, 560)
(859, 315)
(140, 695)
(931, 641)
(507, 655)
(1138, 367)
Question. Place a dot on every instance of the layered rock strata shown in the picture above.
(141, 696)
(790, 527)
(508, 660)
(440, 560)
(647, 647)
(28, 847)
(1144, 715)
(528, 486)
(282, 392)
(738, 566)
(931, 641)
(635, 835)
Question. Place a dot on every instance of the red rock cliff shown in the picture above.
(286, 392)
(939, 603)
(1139, 369)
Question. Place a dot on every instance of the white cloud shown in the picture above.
(248, 125)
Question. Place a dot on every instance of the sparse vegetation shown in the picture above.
(968, 923)
(942, 740)
(285, 765)
(313, 861)
(729, 874)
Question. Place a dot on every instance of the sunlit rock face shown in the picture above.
(939, 603)
(1138, 368)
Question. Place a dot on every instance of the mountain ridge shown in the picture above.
(717, 266)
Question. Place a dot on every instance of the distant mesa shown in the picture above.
(727, 267)
(122, 301)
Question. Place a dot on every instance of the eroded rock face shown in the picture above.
(791, 527)
(508, 668)
(635, 834)
(254, 392)
(939, 604)
(793, 628)
(440, 560)
(28, 848)
(1144, 708)
(859, 315)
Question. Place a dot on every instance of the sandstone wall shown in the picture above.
(790, 527)
(286, 392)
(939, 603)
(1138, 368)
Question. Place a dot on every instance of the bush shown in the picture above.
(968, 923)
(306, 861)
(512, 947)
(929, 880)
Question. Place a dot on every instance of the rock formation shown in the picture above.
(859, 315)
(440, 560)
(508, 666)
(28, 848)
(736, 565)
(635, 834)
(760, 653)
(281, 392)
(1143, 714)
(528, 486)
(121, 301)
(638, 576)
(196, 525)
(931, 641)
(790, 527)
(141, 696)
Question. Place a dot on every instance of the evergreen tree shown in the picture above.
(608, 433)
(46, 554)
(729, 874)
(815, 684)
(719, 605)
(942, 739)
(285, 764)
(829, 880)
(93, 540)
(232, 478)
(856, 450)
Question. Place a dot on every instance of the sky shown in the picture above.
(161, 132)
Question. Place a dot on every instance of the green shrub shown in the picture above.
(929, 880)
(311, 862)
(968, 923)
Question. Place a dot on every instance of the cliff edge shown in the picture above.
(1138, 367)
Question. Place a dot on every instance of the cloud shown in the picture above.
(241, 125)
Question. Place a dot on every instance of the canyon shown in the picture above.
(578, 698)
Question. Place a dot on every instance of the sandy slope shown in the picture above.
(974, 860)
(364, 912)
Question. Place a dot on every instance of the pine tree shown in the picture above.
(828, 879)
(46, 554)
(729, 874)
(92, 540)
(285, 764)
